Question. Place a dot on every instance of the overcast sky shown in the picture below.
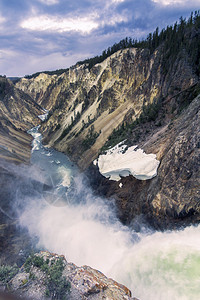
(38, 35)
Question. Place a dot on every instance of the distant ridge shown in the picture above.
(14, 79)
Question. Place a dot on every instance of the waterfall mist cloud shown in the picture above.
(154, 265)
(84, 227)
(80, 233)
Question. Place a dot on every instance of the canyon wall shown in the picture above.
(18, 113)
(129, 96)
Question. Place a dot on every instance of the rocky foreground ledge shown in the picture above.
(50, 276)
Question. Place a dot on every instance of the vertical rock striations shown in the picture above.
(87, 105)
(18, 113)
(144, 97)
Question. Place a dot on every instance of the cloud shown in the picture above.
(4, 54)
(109, 19)
(81, 23)
(118, 1)
(176, 2)
(116, 19)
(50, 34)
(20, 63)
(50, 23)
(168, 2)
(2, 19)
(49, 2)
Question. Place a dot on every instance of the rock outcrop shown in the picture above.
(46, 276)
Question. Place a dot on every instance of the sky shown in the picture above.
(41, 35)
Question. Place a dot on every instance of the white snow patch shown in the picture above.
(123, 161)
(120, 185)
(44, 116)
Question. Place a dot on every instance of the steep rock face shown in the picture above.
(38, 87)
(86, 106)
(18, 113)
(177, 192)
(84, 282)
(173, 195)
(17, 107)
(15, 145)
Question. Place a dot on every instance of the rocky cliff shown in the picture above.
(18, 113)
(50, 276)
(172, 197)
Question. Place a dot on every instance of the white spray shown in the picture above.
(154, 265)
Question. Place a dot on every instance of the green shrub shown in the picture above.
(7, 273)
(32, 276)
(36, 261)
(149, 114)
(28, 264)
(57, 285)
(90, 138)
(69, 127)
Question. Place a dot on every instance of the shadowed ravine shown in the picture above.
(65, 217)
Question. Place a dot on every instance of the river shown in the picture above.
(66, 218)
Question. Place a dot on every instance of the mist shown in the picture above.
(154, 265)
(53, 201)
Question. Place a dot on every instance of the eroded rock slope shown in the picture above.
(18, 113)
(87, 105)
(130, 96)
(172, 197)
